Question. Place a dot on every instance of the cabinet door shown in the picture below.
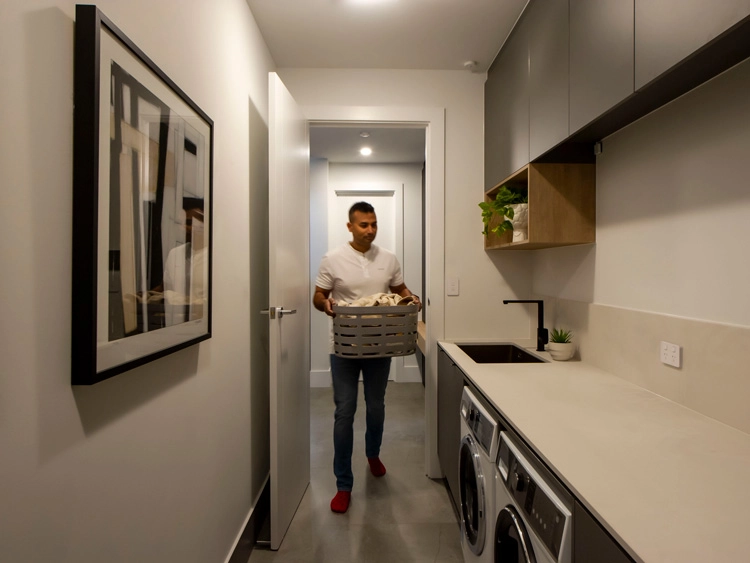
(667, 31)
(506, 110)
(591, 543)
(601, 57)
(547, 28)
(450, 387)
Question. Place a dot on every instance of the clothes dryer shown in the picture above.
(476, 478)
(534, 512)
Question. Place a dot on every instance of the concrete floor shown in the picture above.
(401, 517)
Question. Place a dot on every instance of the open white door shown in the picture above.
(289, 306)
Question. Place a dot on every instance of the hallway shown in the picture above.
(401, 517)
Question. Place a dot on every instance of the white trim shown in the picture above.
(238, 537)
(433, 120)
(320, 378)
(378, 193)
(409, 374)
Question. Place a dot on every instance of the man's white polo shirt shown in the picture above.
(351, 274)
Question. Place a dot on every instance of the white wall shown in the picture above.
(164, 462)
(671, 261)
(320, 369)
(485, 279)
(672, 212)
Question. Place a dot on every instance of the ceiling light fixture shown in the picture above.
(370, 2)
(471, 65)
(365, 151)
(364, 134)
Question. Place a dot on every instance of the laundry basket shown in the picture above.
(375, 332)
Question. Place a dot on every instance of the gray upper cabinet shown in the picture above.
(601, 57)
(506, 110)
(547, 25)
(667, 31)
(573, 72)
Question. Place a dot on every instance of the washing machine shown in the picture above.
(476, 478)
(534, 512)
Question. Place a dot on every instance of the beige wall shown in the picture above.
(671, 260)
(164, 462)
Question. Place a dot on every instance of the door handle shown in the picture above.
(273, 311)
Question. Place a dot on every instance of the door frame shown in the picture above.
(432, 119)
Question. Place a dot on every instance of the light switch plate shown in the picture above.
(670, 354)
(451, 285)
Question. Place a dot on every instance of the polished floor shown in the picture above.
(401, 517)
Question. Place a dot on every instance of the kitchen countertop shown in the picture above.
(671, 484)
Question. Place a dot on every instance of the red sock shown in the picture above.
(376, 466)
(340, 502)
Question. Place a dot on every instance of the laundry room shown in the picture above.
(624, 126)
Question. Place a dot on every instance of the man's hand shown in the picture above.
(323, 301)
(328, 307)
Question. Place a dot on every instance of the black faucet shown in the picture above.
(542, 335)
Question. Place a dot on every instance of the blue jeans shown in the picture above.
(345, 375)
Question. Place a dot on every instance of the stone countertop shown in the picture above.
(671, 484)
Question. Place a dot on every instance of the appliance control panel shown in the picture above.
(543, 511)
(540, 512)
(481, 423)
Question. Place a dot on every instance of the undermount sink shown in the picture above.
(499, 354)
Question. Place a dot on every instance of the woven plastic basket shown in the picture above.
(375, 332)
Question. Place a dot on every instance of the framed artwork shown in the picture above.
(142, 207)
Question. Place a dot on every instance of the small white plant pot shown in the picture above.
(561, 351)
(520, 221)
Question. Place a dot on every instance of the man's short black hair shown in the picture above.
(362, 207)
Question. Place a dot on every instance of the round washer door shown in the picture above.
(512, 542)
(472, 495)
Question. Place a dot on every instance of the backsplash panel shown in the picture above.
(715, 375)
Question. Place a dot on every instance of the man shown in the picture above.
(354, 270)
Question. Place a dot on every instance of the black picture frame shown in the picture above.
(142, 207)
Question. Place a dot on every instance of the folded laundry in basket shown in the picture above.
(378, 299)
(379, 325)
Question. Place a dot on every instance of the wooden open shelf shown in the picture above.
(562, 206)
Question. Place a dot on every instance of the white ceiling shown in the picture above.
(389, 144)
(382, 34)
(393, 34)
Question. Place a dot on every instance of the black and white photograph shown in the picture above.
(142, 194)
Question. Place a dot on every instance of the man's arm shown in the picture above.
(403, 291)
(322, 301)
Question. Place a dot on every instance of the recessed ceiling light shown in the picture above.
(365, 151)
(364, 134)
(370, 2)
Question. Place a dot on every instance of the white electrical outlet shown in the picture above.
(670, 354)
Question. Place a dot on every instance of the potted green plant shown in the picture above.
(560, 345)
(512, 209)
